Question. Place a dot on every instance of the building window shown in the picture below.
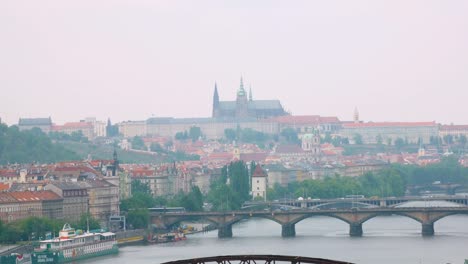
(258, 188)
(258, 181)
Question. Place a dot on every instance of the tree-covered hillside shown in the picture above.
(30, 146)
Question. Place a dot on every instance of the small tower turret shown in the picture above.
(356, 115)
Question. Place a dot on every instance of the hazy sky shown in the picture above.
(129, 60)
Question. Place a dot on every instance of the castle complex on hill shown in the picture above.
(243, 107)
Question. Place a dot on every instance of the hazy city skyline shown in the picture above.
(130, 60)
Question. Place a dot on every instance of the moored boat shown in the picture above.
(166, 238)
(72, 245)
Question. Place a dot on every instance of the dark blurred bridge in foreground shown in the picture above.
(267, 259)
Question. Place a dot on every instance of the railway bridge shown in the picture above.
(355, 217)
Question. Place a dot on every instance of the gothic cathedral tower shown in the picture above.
(242, 103)
(215, 102)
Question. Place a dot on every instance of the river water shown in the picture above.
(386, 239)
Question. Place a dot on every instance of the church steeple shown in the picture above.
(215, 100)
(115, 167)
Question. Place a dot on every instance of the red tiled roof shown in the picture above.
(78, 125)
(259, 172)
(221, 155)
(454, 127)
(28, 196)
(4, 187)
(72, 125)
(305, 119)
(6, 198)
(142, 172)
(389, 124)
(97, 163)
(76, 168)
(289, 149)
(8, 173)
(257, 157)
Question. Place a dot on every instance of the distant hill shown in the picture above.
(106, 152)
(30, 146)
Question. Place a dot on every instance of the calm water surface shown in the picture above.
(390, 239)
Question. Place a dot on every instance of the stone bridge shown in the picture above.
(427, 216)
(354, 202)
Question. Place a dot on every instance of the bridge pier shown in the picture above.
(288, 230)
(225, 231)
(355, 229)
(427, 229)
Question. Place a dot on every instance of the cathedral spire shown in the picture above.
(215, 95)
(241, 92)
(215, 100)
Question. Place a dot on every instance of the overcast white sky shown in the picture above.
(129, 60)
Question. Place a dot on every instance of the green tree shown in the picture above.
(239, 179)
(168, 144)
(139, 200)
(358, 139)
(138, 187)
(192, 201)
(290, 135)
(138, 218)
(379, 139)
(11, 234)
(138, 143)
(328, 138)
(252, 136)
(448, 139)
(389, 141)
(231, 189)
(230, 134)
(30, 146)
(399, 143)
(181, 136)
(78, 136)
(195, 133)
(85, 221)
(156, 147)
(224, 198)
(462, 140)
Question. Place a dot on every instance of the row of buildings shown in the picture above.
(267, 116)
(60, 200)
(89, 127)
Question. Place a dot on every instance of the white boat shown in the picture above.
(72, 245)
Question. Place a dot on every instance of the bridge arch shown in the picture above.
(365, 219)
(435, 219)
(324, 214)
(248, 217)
(175, 220)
